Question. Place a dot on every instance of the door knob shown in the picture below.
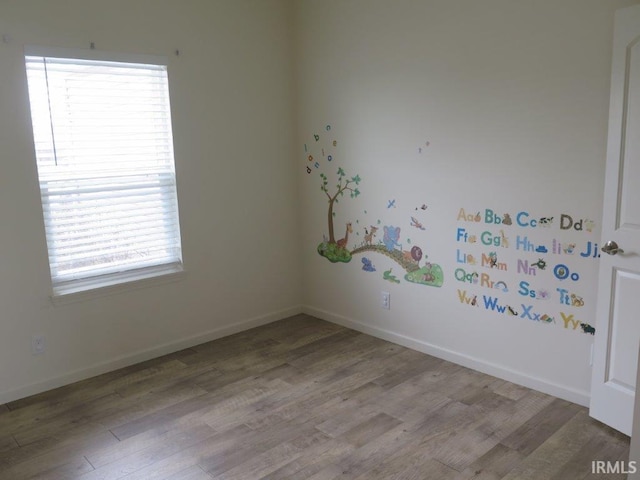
(611, 248)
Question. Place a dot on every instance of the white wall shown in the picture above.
(512, 97)
(232, 122)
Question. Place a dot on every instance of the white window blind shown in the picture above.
(104, 151)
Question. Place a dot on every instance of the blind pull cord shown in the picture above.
(53, 136)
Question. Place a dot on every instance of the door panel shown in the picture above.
(613, 382)
(621, 360)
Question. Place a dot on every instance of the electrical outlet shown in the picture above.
(37, 344)
(385, 300)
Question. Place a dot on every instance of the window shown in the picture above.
(104, 151)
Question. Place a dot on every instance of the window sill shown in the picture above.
(115, 284)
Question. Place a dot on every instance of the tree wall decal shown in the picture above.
(341, 187)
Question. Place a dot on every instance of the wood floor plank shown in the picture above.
(197, 406)
(417, 364)
(312, 402)
(596, 448)
(7, 442)
(20, 424)
(79, 392)
(504, 421)
(495, 463)
(132, 408)
(59, 457)
(67, 467)
(300, 399)
(370, 429)
(313, 460)
(272, 459)
(541, 426)
(192, 473)
(192, 456)
(85, 437)
(373, 453)
(171, 444)
(344, 347)
(459, 449)
(56, 453)
(311, 405)
(511, 390)
(255, 445)
(138, 443)
(416, 466)
(560, 447)
(64, 472)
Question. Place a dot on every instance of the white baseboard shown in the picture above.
(154, 352)
(542, 385)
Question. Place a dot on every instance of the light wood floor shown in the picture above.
(300, 399)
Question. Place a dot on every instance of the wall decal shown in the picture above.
(567, 222)
(369, 234)
(429, 274)
(342, 249)
(546, 280)
(562, 272)
(468, 217)
(501, 286)
(426, 144)
(570, 322)
(367, 266)
(541, 264)
(389, 277)
(543, 295)
(416, 223)
(391, 237)
(591, 250)
(586, 328)
(504, 241)
(342, 243)
(493, 259)
(546, 318)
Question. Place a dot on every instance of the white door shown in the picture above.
(613, 383)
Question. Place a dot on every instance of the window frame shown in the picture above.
(100, 284)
